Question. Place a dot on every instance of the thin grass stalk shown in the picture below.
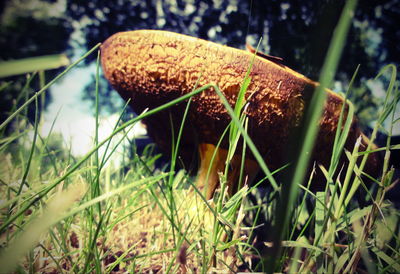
(150, 181)
(49, 84)
(32, 150)
(174, 154)
(166, 214)
(62, 245)
(178, 247)
(381, 118)
(302, 204)
(387, 151)
(243, 158)
(46, 148)
(321, 233)
(89, 222)
(42, 83)
(92, 245)
(96, 182)
(311, 125)
(371, 217)
(248, 140)
(350, 169)
(5, 142)
(104, 158)
(239, 107)
(294, 262)
(215, 213)
(339, 143)
(32, 230)
(341, 135)
(234, 136)
(24, 94)
(119, 259)
(173, 162)
(4, 86)
(233, 141)
(59, 269)
(93, 150)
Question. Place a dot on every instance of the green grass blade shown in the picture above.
(395, 264)
(383, 115)
(93, 150)
(310, 130)
(10, 256)
(27, 65)
(49, 84)
(32, 150)
(247, 139)
(320, 215)
(302, 245)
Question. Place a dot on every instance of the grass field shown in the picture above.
(89, 215)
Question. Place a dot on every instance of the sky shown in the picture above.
(73, 117)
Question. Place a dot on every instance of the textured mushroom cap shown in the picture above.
(152, 67)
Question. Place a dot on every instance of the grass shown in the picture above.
(27, 65)
(66, 214)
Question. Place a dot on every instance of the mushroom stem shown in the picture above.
(212, 164)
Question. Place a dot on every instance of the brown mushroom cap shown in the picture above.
(152, 67)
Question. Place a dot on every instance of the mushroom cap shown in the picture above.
(152, 67)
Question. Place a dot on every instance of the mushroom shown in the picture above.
(152, 67)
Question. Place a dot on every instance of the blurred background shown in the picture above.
(297, 31)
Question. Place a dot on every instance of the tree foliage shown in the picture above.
(298, 31)
(22, 35)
